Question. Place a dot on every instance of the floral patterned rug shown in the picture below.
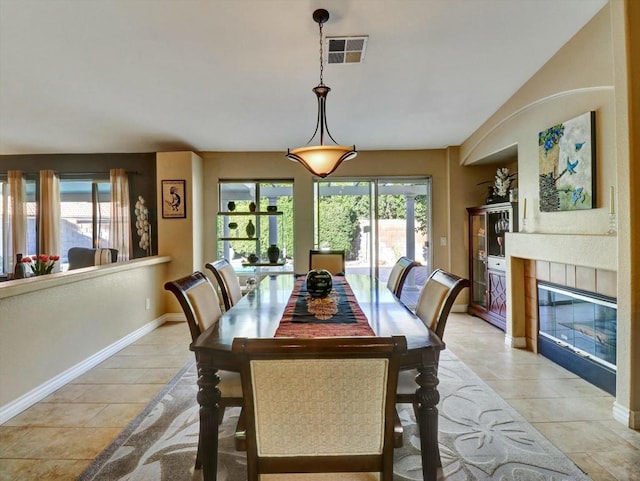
(481, 438)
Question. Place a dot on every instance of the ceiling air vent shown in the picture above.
(346, 49)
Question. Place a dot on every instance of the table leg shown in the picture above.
(208, 398)
(428, 398)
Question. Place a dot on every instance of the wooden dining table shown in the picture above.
(259, 314)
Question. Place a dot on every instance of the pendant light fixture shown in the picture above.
(321, 160)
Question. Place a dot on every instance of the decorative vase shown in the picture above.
(273, 253)
(20, 270)
(252, 258)
(251, 229)
(490, 195)
(252, 207)
(272, 208)
(231, 206)
(319, 283)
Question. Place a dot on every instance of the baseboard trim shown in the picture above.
(623, 415)
(516, 342)
(37, 394)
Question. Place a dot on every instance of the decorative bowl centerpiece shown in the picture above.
(252, 258)
(272, 208)
(319, 283)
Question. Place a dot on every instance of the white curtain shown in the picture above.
(17, 238)
(49, 218)
(120, 225)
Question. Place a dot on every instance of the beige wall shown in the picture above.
(627, 75)
(578, 79)
(274, 165)
(588, 73)
(182, 239)
(48, 326)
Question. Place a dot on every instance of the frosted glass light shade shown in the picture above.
(322, 160)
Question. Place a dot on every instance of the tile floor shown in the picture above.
(58, 437)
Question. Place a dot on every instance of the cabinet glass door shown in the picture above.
(479, 259)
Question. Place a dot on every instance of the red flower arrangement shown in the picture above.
(41, 264)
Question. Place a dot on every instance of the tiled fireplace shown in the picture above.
(570, 274)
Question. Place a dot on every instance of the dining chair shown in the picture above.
(333, 261)
(227, 280)
(80, 257)
(201, 307)
(399, 274)
(433, 307)
(319, 405)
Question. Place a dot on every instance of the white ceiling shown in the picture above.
(80, 76)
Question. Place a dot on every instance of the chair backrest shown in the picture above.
(227, 280)
(437, 298)
(333, 261)
(86, 257)
(399, 274)
(319, 405)
(198, 300)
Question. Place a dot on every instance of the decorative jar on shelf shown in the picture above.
(273, 253)
(20, 270)
(231, 206)
(252, 207)
(252, 258)
(250, 229)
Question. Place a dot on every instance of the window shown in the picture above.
(234, 242)
(85, 212)
(375, 222)
(5, 226)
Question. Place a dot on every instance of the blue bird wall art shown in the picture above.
(579, 145)
(571, 167)
(577, 195)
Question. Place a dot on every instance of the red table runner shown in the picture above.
(296, 323)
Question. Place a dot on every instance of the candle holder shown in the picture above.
(612, 224)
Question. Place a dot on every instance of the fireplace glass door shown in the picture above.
(586, 323)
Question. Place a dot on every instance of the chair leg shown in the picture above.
(398, 431)
(240, 436)
(415, 412)
(198, 458)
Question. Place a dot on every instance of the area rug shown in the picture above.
(481, 438)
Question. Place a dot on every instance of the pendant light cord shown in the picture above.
(321, 64)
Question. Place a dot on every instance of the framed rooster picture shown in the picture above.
(566, 156)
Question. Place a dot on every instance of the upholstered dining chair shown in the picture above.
(227, 280)
(319, 405)
(201, 307)
(399, 274)
(86, 257)
(433, 307)
(333, 261)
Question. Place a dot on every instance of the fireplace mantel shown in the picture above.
(588, 250)
(596, 252)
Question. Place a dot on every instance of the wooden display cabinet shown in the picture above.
(487, 265)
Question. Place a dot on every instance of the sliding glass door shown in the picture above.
(376, 221)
